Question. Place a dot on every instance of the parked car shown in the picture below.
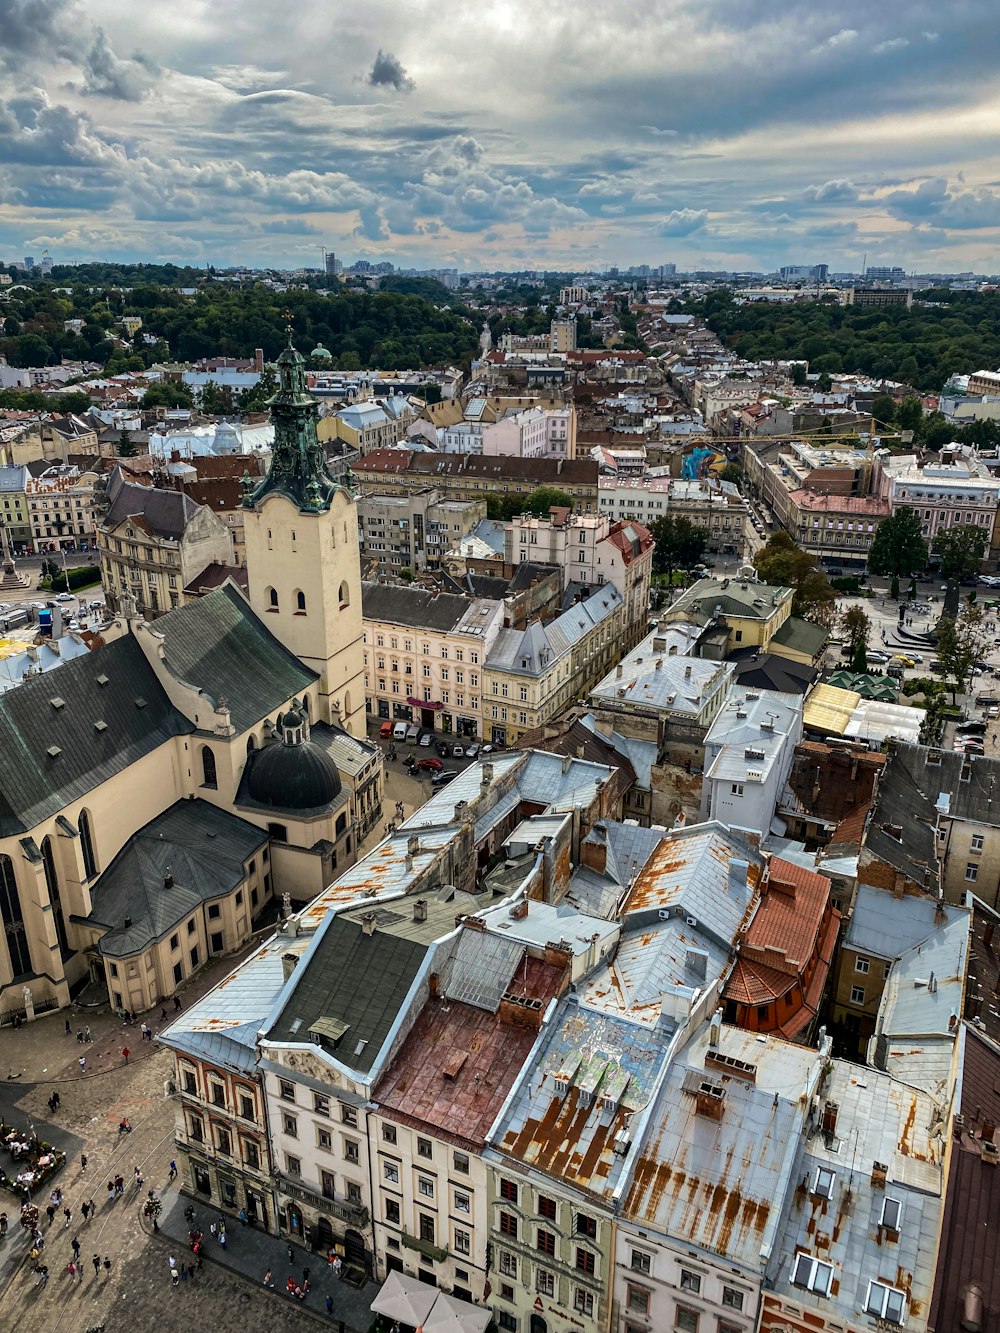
(472, 752)
(878, 656)
(430, 765)
(443, 749)
(442, 779)
(96, 606)
(427, 739)
(458, 752)
(399, 731)
(412, 733)
(385, 730)
(488, 749)
(65, 597)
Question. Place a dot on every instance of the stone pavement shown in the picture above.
(249, 1253)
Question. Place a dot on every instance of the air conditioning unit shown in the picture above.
(664, 913)
(691, 920)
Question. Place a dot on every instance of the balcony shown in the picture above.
(424, 1247)
(354, 1214)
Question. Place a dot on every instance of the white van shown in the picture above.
(412, 733)
(399, 731)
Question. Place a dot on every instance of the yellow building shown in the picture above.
(737, 614)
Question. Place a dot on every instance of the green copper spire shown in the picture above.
(298, 464)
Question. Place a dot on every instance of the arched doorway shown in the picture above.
(538, 1324)
(324, 1234)
(355, 1251)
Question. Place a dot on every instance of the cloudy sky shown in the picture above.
(570, 133)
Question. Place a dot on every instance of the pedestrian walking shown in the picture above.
(291, 1255)
(86, 1034)
(163, 1015)
(83, 1064)
(243, 1217)
(3, 1225)
(222, 1239)
(305, 1278)
(85, 1210)
(71, 1270)
(267, 1280)
(50, 1212)
(75, 1245)
(83, 1162)
(119, 1186)
(126, 1053)
(69, 1028)
(93, 1209)
(174, 1277)
(212, 1228)
(111, 1190)
(328, 1302)
(67, 1213)
(172, 1173)
(143, 1030)
(107, 1267)
(96, 1261)
(171, 1261)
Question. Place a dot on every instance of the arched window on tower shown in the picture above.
(87, 845)
(52, 884)
(209, 776)
(345, 595)
(13, 921)
(272, 599)
(300, 602)
(251, 744)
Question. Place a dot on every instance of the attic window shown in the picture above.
(102, 680)
(100, 726)
(57, 703)
(53, 751)
(823, 1184)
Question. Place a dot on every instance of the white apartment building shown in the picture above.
(572, 295)
(413, 531)
(748, 756)
(958, 490)
(534, 432)
(715, 505)
(424, 655)
(562, 335)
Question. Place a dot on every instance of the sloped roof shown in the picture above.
(415, 607)
(202, 847)
(61, 736)
(164, 513)
(218, 644)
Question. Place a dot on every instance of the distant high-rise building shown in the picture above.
(29, 262)
(820, 272)
(882, 273)
(332, 268)
(562, 333)
(46, 264)
(667, 270)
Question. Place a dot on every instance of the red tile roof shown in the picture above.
(620, 538)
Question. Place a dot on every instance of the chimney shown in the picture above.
(594, 853)
(830, 1112)
(368, 923)
(521, 1011)
(972, 1309)
(258, 360)
(412, 845)
(710, 1100)
(715, 1029)
(619, 671)
(487, 775)
(461, 810)
(420, 910)
(288, 961)
(567, 759)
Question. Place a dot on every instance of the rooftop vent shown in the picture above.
(57, 703)
(54, 751)
(100, 726)
(102, 680)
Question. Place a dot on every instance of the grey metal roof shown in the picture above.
(415, 607)
(357, 979)
(165, 513)
(202, 848)
(654, 678)
(887, 926)
(533, 650)
(219, 645)
(905, 799)
(222, 1025)
(481, 969)
(62, 736)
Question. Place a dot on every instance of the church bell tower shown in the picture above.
(303, 562)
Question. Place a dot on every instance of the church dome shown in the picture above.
(321, 353)
(293, 777)
(292, 773)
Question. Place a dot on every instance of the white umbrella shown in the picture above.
(405, 1299)
(453, 1316)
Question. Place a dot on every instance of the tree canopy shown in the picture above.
(898, 546)
(678, 543)
(944, 333)
(961, 549)
(784, 564)
(538, 502)
(961, 642)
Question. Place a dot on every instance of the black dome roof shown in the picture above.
(293, 777)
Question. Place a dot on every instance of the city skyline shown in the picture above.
(714, 136)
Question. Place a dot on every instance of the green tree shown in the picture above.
(212, 400)
(732, 472)
(961, 643)
(883, 409)
(167, 393)
(799, 373)
(824, 383)
(961, 549)
(126, 445)
(255, 397)
(783, 564)
(678, 544)
(542, 499)
(910, 414)
(859, 656)
(898, 546)
(855, 627)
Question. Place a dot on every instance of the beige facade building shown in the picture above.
(714, 505)
(425, 656)
(533, 674)
(154, 543)
(61, 509)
